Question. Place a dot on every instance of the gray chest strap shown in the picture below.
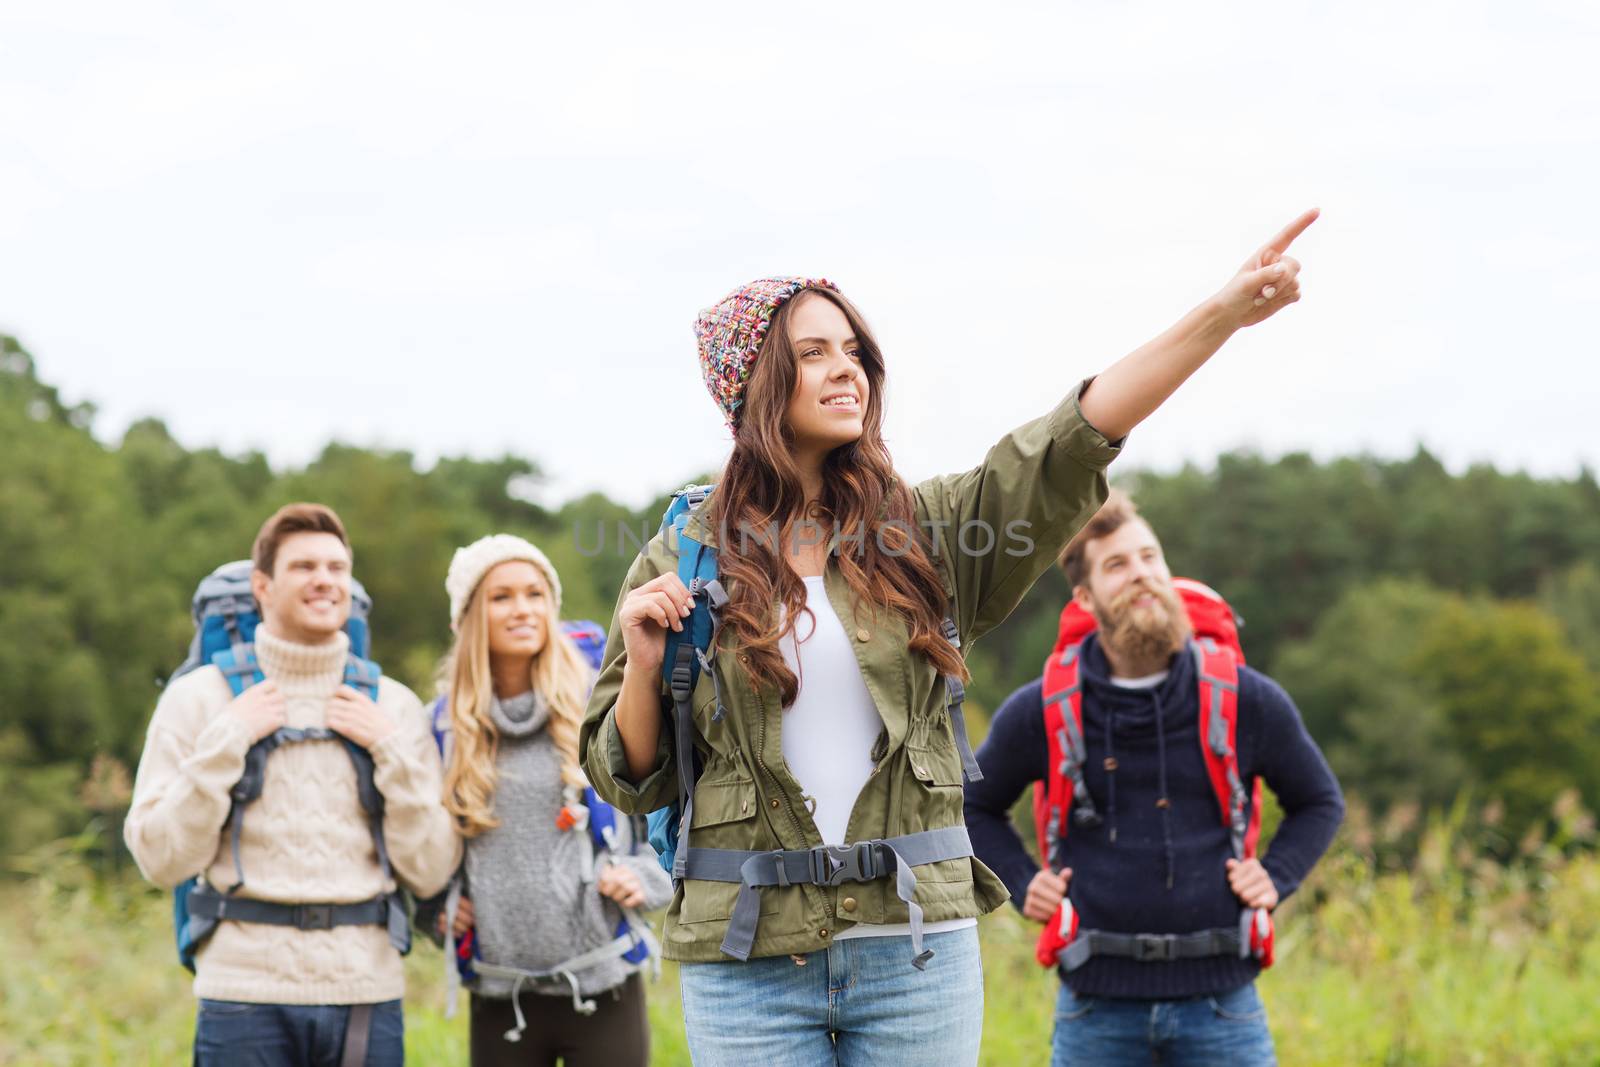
(210, 907)
(825, 865)
(1153, 948)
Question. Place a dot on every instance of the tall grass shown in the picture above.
(1473, 951)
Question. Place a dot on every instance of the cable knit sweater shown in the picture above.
(306, 840)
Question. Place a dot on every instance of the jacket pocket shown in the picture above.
(721, 801)
(935, 766)
(1242, 1005)
(933, 800)
(724, 810)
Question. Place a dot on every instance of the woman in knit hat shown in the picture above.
(515, 685)
(827, 889)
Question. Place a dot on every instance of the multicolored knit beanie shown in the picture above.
(730, 335)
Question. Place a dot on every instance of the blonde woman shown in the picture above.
(546, 908)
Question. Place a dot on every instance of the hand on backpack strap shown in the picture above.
(647, 613)
(353, 714)
(261, 708)
(1045, 894)
(463, 921)
(622, 885)
(1251, 884)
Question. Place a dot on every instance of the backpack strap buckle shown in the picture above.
(313, 916)
(951, 634)
(837, 864)
(1151, 948)
(682, 674)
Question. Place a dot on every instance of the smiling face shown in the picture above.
(516, 609)
(1128, 589)
(829, 401)
(306, 598)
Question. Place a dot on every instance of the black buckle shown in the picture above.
(296, 734)
(837, 864)
(682, 673)
(1150, 948)
(314, 916)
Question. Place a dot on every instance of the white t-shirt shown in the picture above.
(1148, 681)
(829, 731)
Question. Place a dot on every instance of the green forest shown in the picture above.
(1440, 632)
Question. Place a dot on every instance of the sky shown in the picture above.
(484, 228)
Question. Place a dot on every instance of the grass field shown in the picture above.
(1454, 960)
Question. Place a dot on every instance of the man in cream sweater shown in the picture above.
(283, 994)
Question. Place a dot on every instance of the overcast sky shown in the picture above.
(479, 228)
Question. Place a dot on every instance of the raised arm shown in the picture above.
(1130, 389)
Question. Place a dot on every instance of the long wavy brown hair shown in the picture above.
(888, 566)
(559, 673)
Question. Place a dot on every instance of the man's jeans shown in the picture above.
(857, 1002)
(1227, 1030)
(231, 1032)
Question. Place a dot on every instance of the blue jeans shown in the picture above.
(1226, 1030)
(231, 1032)
(857, 1002)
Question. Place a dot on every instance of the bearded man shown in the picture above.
(1149, 870)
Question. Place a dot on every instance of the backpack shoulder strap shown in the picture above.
(956, 695)
(697, 568)
(363, 675)
(439, 726)
(1217, 671)
(1064, 787)
(603, 832)
(241, 671)
(1050, 798)
(690, 651)
(239, 667)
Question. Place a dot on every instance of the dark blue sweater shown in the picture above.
(1138, 872)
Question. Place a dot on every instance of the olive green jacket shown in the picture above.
(1034, 489)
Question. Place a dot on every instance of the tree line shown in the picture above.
(1440, 632)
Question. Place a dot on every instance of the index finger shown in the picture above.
(1286, 236)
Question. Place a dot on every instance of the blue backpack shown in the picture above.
(590, 640)
(226, 617)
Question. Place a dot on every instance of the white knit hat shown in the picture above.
(470, 564)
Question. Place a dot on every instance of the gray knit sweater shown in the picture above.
(530, 904)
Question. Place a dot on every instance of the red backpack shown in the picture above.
(1062, 794)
